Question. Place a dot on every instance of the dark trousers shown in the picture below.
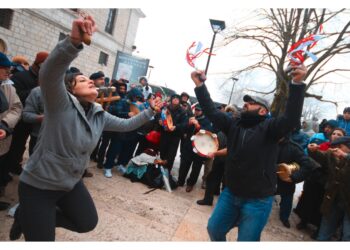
(168, 149)
(105, 140)
(185, 164)
(4, 175)
(214, 179)
(120, 146)
(18, 145)
(41, 211)
(32, 143)
(286, 205)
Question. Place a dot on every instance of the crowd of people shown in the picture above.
(71, 119)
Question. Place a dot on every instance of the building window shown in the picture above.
(6, 18)
(61, 36)
(110, 21)
(103, 59)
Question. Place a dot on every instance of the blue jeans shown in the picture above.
(286, 205)
(250, 215)
(330, 223)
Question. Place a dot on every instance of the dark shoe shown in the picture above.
(99, 165)
(205, 202)
(301, 225)
(286, 223)
(4, 205)
(16, 230)
(189, 189)
(87, 174)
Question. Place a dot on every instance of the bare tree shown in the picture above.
(282, 28)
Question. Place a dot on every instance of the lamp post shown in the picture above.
(234, 79)
(149, 71)
(216, 26)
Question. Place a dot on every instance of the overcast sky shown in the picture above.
(170, 27)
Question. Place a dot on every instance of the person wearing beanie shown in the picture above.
(185, 97)
(335, 205)
(23, 82)
(344, 120)
(324, 135)
(10, 114)
(98, 78)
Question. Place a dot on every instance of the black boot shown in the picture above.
(205, 202)
(16, 229)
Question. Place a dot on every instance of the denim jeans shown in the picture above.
(286, 205)
(250, 215)
(330, 223)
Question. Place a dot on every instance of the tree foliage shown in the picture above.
(283, 27)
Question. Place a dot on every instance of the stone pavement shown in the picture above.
(126, 213)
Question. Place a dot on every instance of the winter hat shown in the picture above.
(41, 57)
(258, 100)
(346, 110)
(97, 75)
(332, 123)
(5, 62)
(175, 96)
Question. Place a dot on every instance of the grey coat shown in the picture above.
(68, 134)
(34, 107)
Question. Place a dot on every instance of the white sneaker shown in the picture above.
(121, 169)
(108, 173)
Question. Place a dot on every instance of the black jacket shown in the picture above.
(24, 82)
(289, 152)
(250, 168)
(180, 121)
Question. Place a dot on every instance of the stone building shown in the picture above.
(27, 31)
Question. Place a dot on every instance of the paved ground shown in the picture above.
(126, 213)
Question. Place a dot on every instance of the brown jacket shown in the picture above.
(10, 116)
(337, 187)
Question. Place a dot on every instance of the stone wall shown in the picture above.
(34, 30)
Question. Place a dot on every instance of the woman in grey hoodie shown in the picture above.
(51, 192)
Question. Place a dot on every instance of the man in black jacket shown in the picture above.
(252, 148)
(24, 82)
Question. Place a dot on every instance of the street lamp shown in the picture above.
(149, 71)
(233, 84)
(217, 26)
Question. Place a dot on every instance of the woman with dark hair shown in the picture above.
(51, 192)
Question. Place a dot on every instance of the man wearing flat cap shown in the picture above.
(252, 150)
(335, 206)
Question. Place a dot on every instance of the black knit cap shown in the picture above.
(97, 75)
(175, 96)
(346, 110)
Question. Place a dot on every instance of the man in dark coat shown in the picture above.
(170, 139)
(188, 157)
(290, 152)
(23, 82)
(252, 148)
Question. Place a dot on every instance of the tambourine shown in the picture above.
(285, 170)
(205, 142)
(167, 120)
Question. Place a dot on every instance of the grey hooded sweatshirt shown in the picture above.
(68, 134)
